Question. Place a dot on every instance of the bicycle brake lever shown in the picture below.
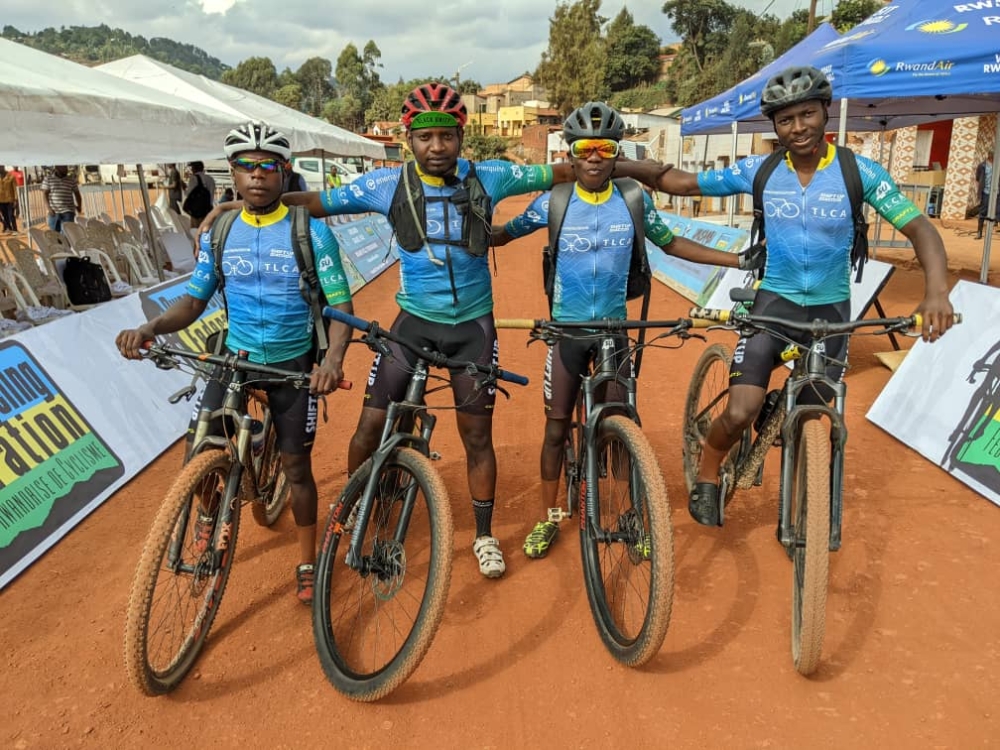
(183, 393)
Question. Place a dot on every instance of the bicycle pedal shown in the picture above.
(557, 514)
(434, 456)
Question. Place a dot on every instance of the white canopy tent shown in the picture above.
(53, 111)
(308, 134)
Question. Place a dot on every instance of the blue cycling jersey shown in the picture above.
(595, 247)
(267, 315)
(425, 288)
(810, 231)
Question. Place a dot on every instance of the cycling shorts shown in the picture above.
(294, 411)
(568, 361)
(756, 356)
(472, 341)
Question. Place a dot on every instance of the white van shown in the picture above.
(311, 168)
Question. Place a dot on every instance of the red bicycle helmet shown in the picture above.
(433, 97)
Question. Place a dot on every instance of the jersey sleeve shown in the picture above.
(369, 192)
(329, 266)
(732, 180)
(882, 194)
(502, 179)
(203, 281)
(656, 229)
(534, 218)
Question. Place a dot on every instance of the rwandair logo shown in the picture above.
(878, 67)
(936, 27)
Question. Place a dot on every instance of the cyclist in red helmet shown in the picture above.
(441, 209)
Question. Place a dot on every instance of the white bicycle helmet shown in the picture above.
(257, 136)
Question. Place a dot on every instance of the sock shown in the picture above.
(483, 510)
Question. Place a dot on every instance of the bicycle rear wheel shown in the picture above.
(707, 397)
(271, 482)
(373, 626)
(628, 562)
(179, 583)
(810, 497)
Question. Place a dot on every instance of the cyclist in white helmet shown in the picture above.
(268, 316)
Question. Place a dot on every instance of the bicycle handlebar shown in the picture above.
(817, 328)
(373, 331)
(235, 362)
(606, 324)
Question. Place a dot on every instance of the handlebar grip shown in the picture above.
(512, 377)
(918, 319)
(701, 323)
(341, 317)
(515, 323)
(345, 385)
(705, 313)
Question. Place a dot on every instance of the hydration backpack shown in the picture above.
(855, 192)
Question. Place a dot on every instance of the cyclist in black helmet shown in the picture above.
(809, 239)
(590, 278)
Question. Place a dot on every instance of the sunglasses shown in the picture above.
(249, 165)
(605, 148)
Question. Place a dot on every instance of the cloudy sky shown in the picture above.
(489, 41)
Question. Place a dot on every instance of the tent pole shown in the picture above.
(842, 129)
(153, 234)
(731, 212)
(991, 208)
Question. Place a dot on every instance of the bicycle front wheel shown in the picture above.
(182, 575)
(707, 397)
(373, 625)
(628, 560)
(810, 497)
(271, 482)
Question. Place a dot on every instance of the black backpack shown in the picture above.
(85, 281)
(199, 201)
(639, 273)
(304, 258)
(855, 192)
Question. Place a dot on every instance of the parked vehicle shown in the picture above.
(311, 168)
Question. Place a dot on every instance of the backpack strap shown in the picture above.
(855, 192)
(757, 231)
(308, 280)
(217, 240)
(632, 194)
(559, 196)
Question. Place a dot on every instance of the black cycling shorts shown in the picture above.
(472, 341)
(567, 362)
(294, 411)
(756, 356)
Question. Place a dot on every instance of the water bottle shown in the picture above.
(257, 437)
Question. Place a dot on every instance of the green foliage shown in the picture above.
(387, 103)
(469, 87)
(314, 77)
(289, 95)
(643, 98)
(358, 79)
(483, 147)
(572, 68)
(93, 45)
(632, 53)
(255, 74)
(849, 13)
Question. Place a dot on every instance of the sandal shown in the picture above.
(487, 551)
(305, 576)
(703, 503)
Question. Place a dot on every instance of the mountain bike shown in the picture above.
(188, 553)
(811, 437)
(613, 478)
(384, 564)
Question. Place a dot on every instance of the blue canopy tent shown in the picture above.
(918, 61)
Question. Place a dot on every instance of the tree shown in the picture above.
(289, 95)
(572, 68)
(255, 74)
(484, 147)
(344, 111)
(849, 13)
(314, 77)
(468, 86)
(633, 54)
(357, 78)
(702, 24)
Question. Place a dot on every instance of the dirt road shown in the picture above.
(911, 647)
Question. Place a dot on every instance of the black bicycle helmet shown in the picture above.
(800, 83)
(593, 120)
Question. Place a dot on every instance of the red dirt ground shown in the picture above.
(909, 659)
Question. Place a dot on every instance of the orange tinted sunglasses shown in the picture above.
(605, 148)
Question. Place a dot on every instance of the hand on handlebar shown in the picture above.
(753, 258)
(327, 378)
(938, 316)
(131, 342)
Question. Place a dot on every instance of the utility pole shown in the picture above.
(811, 23)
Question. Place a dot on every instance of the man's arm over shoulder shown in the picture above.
(329, 264)
(534, 217)
(502, 179)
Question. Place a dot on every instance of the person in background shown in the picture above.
(984, 174)
(333, 180)
(8, 201)
(196, 204)
(62, 196)
(227, 195)
(174, 185)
